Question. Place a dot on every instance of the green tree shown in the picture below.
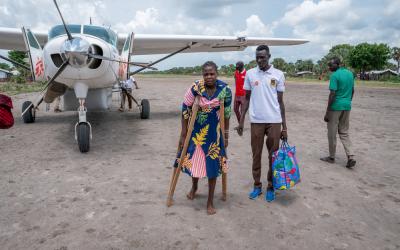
(290, 69)
(251, 64)
(17, 56)
(5, 66)
(396, 56)
(279, 63)
(306, 65)
(365, 56)
(342, 51)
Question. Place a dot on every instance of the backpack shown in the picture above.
(6, 117)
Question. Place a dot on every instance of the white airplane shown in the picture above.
(83, 62)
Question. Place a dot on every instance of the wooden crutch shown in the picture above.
(222, 125)
(177, 171)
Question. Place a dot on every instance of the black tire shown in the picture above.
(145, 110)
(83, 137)
(29, 116)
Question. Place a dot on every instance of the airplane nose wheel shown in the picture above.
(30, 114)
(83, 129)
(145, 109)
(83, 137)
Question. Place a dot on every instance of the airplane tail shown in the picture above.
(35, 55)
(126, 52)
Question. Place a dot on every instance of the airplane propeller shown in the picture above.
(114, 60)
(65, 26)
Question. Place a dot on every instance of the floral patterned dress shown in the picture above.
(206, 156)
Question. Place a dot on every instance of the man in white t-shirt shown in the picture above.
(264, 86)
(128, 85)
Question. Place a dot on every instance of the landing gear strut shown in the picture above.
(144, 105)
(83, 129)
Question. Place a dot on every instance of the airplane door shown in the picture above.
(35, 55)
(125, 56)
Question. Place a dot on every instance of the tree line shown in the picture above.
(359, 58)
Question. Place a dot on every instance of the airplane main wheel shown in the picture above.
(84, 137)
(145, 110)
(29, 116)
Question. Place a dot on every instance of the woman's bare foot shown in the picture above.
(223, 198)
(211, 210)
(192, 194)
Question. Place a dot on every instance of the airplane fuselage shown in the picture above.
(94, 73)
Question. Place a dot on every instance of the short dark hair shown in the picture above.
(210, 64)
(240, 63)
(263, 47)
(335, 60)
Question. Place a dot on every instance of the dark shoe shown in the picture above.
(255, 193)
(270, 195)
(351, 163)
(328, 159)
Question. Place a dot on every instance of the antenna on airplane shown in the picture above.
(90, 20)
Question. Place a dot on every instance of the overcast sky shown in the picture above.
(324, 23)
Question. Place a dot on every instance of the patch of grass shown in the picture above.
(388, 83)
(11, 88)
(377, 84)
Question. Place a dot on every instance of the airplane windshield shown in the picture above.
(100, 32)
(105, 34)
(59, 30)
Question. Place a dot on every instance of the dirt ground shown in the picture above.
(54, 197)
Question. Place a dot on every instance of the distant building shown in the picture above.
(379, 74)
(5, 75)
(303, 73)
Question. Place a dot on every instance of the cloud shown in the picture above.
(150, 21)
(39, 14)
(255, 27)
(209, 9)
(327, 23)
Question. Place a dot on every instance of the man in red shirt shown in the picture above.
(240, 74)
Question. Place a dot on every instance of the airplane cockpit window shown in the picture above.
(105, 34)
(59, 30)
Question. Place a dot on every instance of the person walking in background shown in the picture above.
(240, 74)
(337, 114)
(127, 85)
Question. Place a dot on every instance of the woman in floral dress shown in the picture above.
(206, 155)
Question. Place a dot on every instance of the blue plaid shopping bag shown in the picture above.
(285, 169)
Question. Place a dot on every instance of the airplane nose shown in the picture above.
(76, 51)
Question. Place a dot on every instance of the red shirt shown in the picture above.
(239, 79)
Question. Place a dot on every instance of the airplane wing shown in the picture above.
(147, 44)
(164, 44)
(12, 39)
